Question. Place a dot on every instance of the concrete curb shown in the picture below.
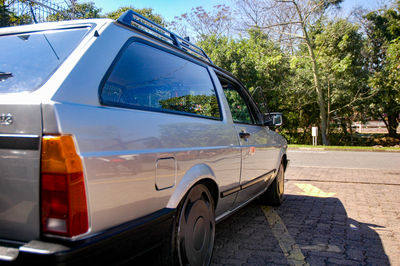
(334, 149)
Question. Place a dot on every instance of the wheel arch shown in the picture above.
(212, 187)
(198, 174)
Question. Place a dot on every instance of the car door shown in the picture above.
(258, 150)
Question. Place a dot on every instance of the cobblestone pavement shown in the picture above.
(330, 216)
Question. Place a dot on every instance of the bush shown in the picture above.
(340, 139)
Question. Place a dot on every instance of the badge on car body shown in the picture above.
(6, 119)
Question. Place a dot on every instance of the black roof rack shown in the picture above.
(134, 20)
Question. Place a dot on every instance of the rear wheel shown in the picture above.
(195, 228)
(274, 194)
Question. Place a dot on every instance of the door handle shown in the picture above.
(244, 135)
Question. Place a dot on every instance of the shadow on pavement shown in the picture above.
(304, 229)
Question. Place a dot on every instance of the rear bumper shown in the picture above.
(111, 247)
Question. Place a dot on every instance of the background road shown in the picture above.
(345, 159)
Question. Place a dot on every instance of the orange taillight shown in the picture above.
(63, 195)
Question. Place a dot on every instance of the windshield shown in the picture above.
(27, 60)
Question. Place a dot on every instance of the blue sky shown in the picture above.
(168, 9)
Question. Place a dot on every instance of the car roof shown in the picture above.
(53, 25)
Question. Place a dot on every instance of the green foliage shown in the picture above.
(238, 107)
(338, 47)
(5, 15)
(256, 61)
(393, 68)
(147, 12)
(322, 5)
(77, 11)
(86, 10)
(8, 18)
(383, 56)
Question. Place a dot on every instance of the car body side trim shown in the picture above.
(248, 184)
(19, 142)
(230, 191)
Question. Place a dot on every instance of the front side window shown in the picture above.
(238, 106)
(148, 78)
(27, 60)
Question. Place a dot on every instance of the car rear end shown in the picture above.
(42, 186)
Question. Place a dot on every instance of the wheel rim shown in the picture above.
(196, 228)
(281, 181)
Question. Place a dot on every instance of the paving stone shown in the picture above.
(343, 262)
(355, 254)
(377, 261)
(255, 260)
(316, 260)
(326, 254)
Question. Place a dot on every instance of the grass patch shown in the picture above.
(353, 148)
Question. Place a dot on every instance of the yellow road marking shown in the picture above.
(289, 247)
(313, 191)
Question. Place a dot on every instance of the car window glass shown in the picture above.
(237, 104)
(260, 100)
(27, 60)
(148, 78)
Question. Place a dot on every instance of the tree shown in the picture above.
(5, 14)
(256, 61)
(147, 12)
(339, 54)
(252, 14)
(383, 31)
(77, 11)
(302, 15)
(260, 14)
(393, 67)
(85, 10)
(204, 23)
(9, 18)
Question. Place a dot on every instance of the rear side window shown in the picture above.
(148, 78)
(27, 60)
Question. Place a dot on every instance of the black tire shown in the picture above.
(195, 228)
(274, 194)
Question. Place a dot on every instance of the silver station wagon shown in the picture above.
(117, 137)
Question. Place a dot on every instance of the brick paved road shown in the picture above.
(331, 215)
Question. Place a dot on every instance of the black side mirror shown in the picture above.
(273, 119)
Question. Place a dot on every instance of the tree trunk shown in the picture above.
(304, 135)
(392, 125)
(328, 117)
(317, 84)
(320, 94)
(351, 131)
